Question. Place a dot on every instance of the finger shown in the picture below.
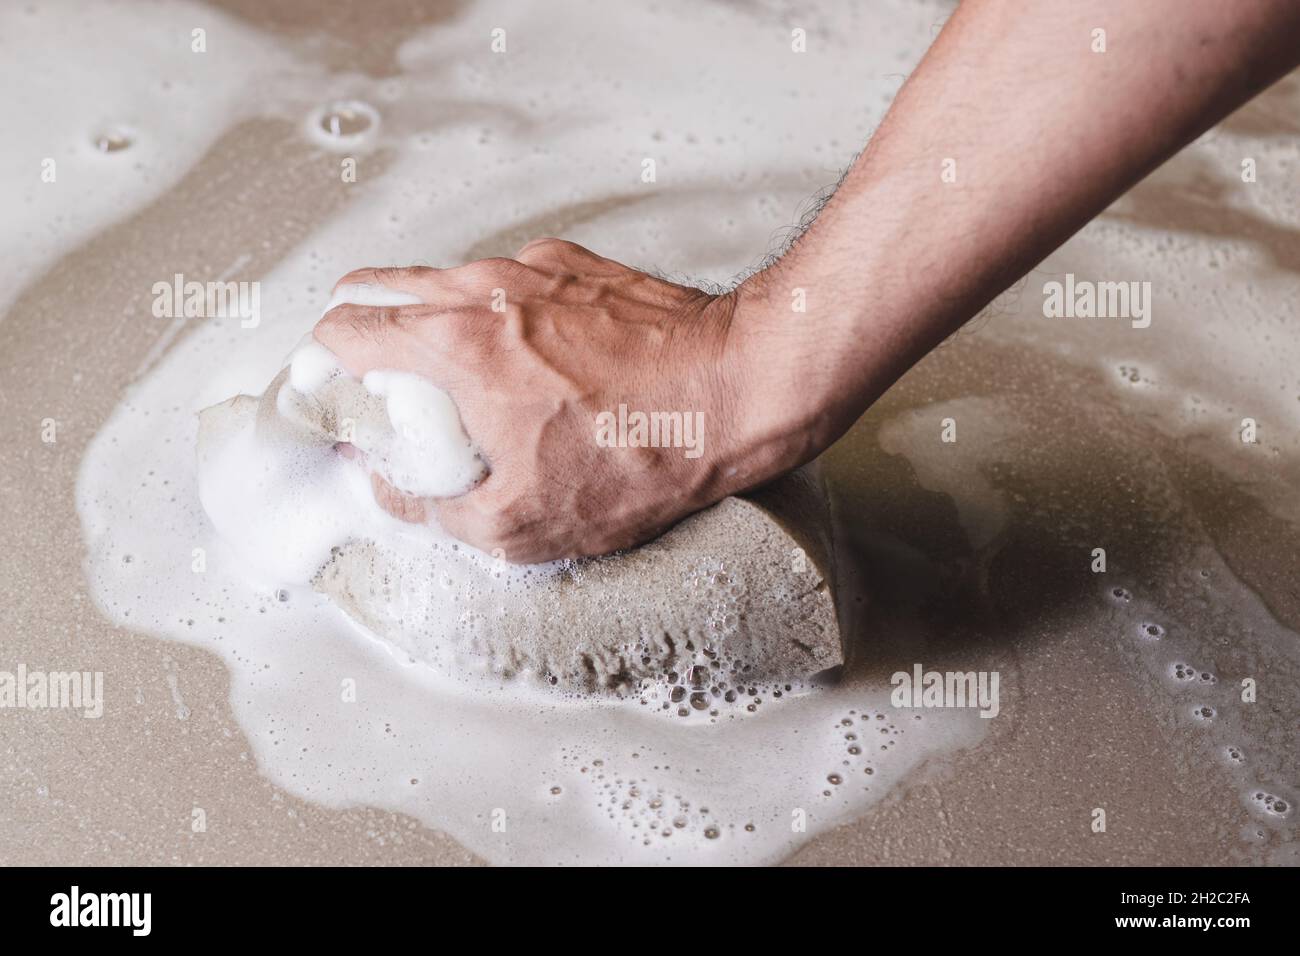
(414, 280)
(447, 348)
(400, 505)
(364, 337)
(475, 284)
(440, 289)
(464, 519)
(397, 503)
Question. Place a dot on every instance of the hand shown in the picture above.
(573, 337)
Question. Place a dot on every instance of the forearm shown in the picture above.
(1009, 137)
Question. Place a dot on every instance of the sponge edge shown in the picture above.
(741, 592)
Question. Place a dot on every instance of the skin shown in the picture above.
(1044, 132)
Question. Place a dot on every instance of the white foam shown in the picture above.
(312, 365)
(280, 509)
(432, 456)
(426, 453)
(282, 496)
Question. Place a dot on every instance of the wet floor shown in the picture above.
(1162, 691)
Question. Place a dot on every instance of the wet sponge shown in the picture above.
(740, 592)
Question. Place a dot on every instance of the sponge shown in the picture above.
(739, 593)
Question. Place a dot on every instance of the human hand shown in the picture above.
(573, 336)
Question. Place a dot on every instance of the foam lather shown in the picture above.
(740, 593)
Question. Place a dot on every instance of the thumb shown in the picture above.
(399, 504)
(473, 519)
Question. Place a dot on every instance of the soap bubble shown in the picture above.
(1151, 631)
(113, 139)
(343, 123)
(1270, 804)
(347, 119)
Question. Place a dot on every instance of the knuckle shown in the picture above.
(335, 325)
(479, 269)
(388, 323)
(546, 244)
(555, 255)
(350, 319)
(347, 326)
